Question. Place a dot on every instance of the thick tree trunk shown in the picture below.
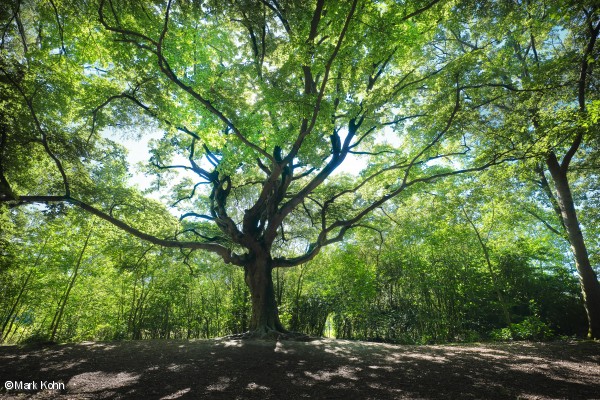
(588, 279)
(265, 316)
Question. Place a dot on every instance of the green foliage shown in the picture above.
(531, 328)
(455, 86)
(426, 282)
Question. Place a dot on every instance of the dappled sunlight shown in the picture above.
(292, 369)
(402, 357)
(281, 348)
(223, 382)
(63, 365)
(565, 371)
(342, 372)
(90, 382)
(177, 394)
(99, 345)
(382, 367)
(175, 367)
(342, 348)
(254, 386)
(232, 343)
(262, 172)
(338, 350)
(483, 349)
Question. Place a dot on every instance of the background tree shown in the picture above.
(543, 61)
(422, 279)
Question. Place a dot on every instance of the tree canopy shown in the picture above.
(262, 102)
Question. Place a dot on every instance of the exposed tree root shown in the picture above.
(271, 334)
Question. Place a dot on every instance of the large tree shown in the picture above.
(576, 130)
(260, 101)
(550, 100)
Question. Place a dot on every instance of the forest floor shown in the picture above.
(317, 369)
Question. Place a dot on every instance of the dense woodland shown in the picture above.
(422, 278)
(400, 171)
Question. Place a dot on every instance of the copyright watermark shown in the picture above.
(25, 386)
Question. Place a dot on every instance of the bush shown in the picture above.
(531, 328)
(37, 339)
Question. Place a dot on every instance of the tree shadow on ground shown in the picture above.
(323, 369)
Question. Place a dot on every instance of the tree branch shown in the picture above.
(226, 254)
(420, 10)
(438, 137)
(166, 69)
(306, 129)
(41, 131)
(546, 224)
(193, 214)
(277, 10)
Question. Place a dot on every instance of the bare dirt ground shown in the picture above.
(319, 369)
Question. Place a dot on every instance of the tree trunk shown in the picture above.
(16, 303)
(590, 286)
(265, 316)
(13, 309)
(59, 313)
(488, 261)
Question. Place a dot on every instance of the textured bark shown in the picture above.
(588, 279)
(265, 316)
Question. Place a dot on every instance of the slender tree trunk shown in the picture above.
(244, 319)
(9, 334)
(11, 313)
(265, 316)
(59, 313)
(167, 328)
(279, 287)
(491, 271)
(296, 316)
(217, 305)
(588, 279)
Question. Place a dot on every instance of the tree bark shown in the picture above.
(265, 315)
(588, 279)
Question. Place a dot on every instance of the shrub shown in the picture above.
(531, 328)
